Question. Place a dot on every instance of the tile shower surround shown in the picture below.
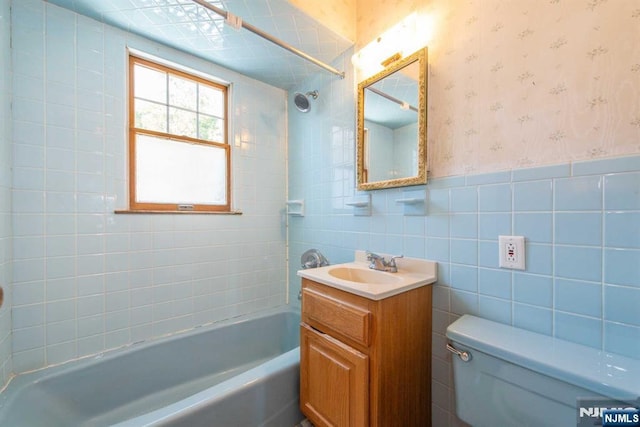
(85, 279)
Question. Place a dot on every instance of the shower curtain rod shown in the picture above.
(391, 98)
(227, 15)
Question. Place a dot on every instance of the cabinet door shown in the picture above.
(334, 381)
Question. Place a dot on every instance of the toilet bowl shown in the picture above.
(506, 376)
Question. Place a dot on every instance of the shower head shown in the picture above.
(301, 100)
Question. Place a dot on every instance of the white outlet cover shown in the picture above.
(511, 252)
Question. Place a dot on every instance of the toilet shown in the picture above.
(506, 376)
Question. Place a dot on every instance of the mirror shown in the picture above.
(392, 125)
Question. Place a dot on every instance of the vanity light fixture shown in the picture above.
(390, 60)
(404, 38)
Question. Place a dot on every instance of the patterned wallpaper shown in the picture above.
(523, 83)
(338, 15)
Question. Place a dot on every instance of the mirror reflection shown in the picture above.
(392, 125)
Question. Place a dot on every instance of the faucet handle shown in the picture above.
(392, 261)
(371, 256)
(378, 262)
(391, 265)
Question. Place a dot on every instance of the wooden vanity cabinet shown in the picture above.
(365, 362)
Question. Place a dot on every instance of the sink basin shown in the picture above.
(357, 278)
(361, 275)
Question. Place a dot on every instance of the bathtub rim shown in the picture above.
(219, 391)
(23, 379)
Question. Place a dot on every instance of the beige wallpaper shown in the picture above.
(523, 83)
(373, 17)
(337, 15)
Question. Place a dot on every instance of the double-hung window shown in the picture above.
(179, 156)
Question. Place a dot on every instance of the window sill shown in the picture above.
(184, 212)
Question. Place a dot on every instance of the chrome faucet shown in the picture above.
(377, 262)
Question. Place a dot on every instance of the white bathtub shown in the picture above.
(242, 373)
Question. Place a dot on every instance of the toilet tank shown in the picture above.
(520, 378)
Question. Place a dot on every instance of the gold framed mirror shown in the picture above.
(391, 145)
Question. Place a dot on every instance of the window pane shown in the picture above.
(150, 84)
(150, 116)
(211, 128)
(183, 122)
(176, 172)
(211, 101)
(183, 93)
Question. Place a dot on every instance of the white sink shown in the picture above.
(357, 278)
(360, 275)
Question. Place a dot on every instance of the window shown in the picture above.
(179, 156)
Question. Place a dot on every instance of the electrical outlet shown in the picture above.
(511, 252)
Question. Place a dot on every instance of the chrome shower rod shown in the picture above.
(391, 98)
(271, 38)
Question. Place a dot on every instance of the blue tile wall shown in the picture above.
(620, 338)
(495, 198)
(582, 229)
(464, 199)
(578, 262)
(621, 304)
(622, 229)
(580, 221)
(580, 329)
(533, 196)
(85, 279)
(464, 225)
(538, 227)
(533, 318)
(494, 282)
(622, 267)
(578, 193)
(464, 251)
(622, 191)
(464, 277)
(495, 309)
(6, 179)
(578, 297)
(533, 289)
(491, 225)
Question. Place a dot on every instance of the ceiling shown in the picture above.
(187, 26)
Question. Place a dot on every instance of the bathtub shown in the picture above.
(241, 373)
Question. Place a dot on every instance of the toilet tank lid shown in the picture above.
(607, 374)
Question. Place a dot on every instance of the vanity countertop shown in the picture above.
(375, 285)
